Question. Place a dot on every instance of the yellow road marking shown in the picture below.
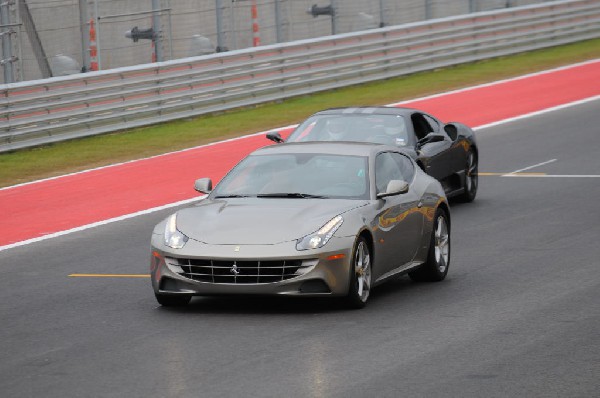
(110, 275)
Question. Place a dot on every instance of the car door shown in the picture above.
(433, 156)
(399, 220)
(459, 149)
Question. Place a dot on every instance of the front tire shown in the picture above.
(360, 275)
(471, 178)
(435, 268)
(172, 300)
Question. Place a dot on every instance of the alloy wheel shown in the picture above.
(442, 244)
(471, 178)
(362, 268)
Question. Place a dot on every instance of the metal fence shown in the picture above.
(45, 111)
(44, 38)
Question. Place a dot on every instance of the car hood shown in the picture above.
(255, 221)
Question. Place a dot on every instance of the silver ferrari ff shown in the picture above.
(305, 219)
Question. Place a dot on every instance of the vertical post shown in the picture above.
(428, 9)
(170, 33)
(7, 59)
(156, 27)
(85, 34)
(233, 29)
(93, 47)
(255, 27)
(278, 22)
(472, 6)
(334, 29)
(97, 37)
(219, 12)
(381, 14)
(20, 71)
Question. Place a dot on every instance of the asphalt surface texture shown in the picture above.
(518, 315)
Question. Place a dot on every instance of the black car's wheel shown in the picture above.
(471, 178)
(438, 260)
(172, 300)
(360, 275)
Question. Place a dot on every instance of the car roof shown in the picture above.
(368, 110)
(328, 147)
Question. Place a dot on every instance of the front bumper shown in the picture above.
(324, 272)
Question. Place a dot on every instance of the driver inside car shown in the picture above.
(334, 130)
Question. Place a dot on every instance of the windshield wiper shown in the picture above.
(233, 196)
(291, 195)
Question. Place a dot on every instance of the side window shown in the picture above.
(420, 125)
(386, 169)
(407, 170)
(433, 124)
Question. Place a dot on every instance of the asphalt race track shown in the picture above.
(519, 314)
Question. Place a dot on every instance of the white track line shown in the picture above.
(148, 158)
(529, 167)
(497, 82)
(537, 113)
(100, 223)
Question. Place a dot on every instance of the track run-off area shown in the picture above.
(517, 316)
(66, 204)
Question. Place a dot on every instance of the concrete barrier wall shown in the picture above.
(59, 25)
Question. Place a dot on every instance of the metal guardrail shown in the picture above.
(45, 111)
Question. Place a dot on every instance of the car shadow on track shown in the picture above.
(398, 292)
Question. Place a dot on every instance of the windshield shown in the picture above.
(298, 175)
(380, 129)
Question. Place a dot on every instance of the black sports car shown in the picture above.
(447, 152)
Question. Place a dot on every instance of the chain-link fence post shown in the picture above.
(255, 25)
(19, 72)
(7, 57)
(220, 33)
(98, 47)
(170, 27)
(85, 34)
(278, 22)
(334, 17)
(472, 6)
(157, 28)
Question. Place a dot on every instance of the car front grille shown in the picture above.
(240, 272)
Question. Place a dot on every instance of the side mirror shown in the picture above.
(429, 138)
(275, 136)
(394, 187)
(452, 131)
(203, 185)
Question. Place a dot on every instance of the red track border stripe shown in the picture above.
(33, 210)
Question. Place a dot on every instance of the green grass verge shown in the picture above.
(61, 158)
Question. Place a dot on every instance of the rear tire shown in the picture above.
(172, 300)
(360, 275)
(471, 182)
(436, 267)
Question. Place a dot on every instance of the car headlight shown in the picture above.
(173, 237)
(321, 237)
